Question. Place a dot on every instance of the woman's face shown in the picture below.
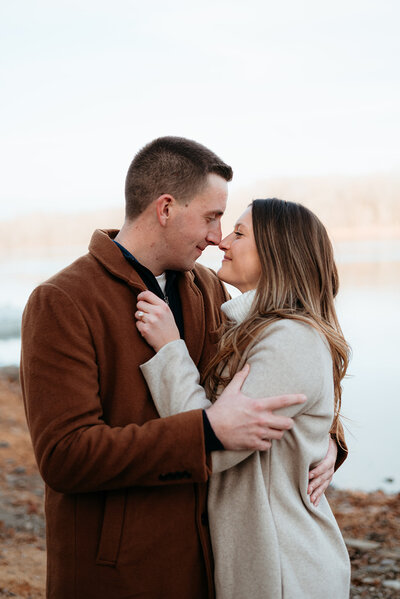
(241, 264)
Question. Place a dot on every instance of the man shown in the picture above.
(126, 490)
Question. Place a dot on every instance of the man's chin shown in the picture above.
(184, 267)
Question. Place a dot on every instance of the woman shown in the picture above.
(269, 540)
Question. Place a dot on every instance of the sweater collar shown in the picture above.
(238, 308)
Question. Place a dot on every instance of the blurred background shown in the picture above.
(302, 99)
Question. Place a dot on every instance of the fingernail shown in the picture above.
(311, 475)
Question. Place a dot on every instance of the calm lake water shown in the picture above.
(368, 308)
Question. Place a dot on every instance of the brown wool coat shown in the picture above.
(125, 490)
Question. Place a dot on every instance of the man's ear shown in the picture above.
(163, 208)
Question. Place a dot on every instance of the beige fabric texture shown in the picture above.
(269, 541)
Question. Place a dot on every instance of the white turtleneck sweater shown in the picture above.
(269, 541)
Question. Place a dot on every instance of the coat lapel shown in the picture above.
(109, 255)
(193, 315)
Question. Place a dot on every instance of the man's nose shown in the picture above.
(214, 235)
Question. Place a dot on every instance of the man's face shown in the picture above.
(195, 225)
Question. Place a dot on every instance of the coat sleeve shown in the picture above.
(285, 359)
(341, 445)
(76, 450)
(177, 389)
(297, 354)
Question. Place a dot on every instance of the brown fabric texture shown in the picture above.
(125, 490)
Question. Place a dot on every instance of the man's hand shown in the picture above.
(321, 476)
(241, 422)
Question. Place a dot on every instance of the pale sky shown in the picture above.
(275, 88)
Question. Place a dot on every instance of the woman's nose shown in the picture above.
(225, 243)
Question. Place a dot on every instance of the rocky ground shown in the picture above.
(370, 522)
(22, 533)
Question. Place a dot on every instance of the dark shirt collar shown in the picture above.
(147, 276)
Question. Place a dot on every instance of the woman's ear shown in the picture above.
(163, 208)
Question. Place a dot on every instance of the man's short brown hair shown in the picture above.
(172, 165)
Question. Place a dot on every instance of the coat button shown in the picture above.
(204, 518)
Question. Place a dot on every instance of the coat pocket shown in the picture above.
(112, 527)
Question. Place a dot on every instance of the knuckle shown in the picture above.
(256, 405)
(264, 420)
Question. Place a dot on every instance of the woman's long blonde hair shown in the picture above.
(299, 280)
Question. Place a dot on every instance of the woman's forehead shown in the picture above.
(245, 219)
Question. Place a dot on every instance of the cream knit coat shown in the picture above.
(269, 541)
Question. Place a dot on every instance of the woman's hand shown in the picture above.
(155, 321)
